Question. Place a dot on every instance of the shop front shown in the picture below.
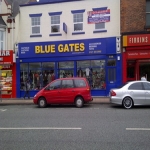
(7, 74)
(136, 57)
(94, 59)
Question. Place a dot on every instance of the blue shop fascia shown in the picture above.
(96, 59)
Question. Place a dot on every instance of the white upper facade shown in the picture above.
(44, 22)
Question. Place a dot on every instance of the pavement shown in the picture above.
(21, 101)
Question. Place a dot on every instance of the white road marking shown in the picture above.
(45, 128)
(3, 109)
(138, 129)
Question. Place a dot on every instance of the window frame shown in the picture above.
(77, 22)
(147, 12)
(32, 26)
(99, 28)
(2, 41)
(54, 24)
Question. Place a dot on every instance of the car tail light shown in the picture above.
(112, 93)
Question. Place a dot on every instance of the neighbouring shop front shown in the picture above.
(7, 74)
(94, 59)
(136, 57)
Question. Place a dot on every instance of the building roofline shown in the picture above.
(43, 3)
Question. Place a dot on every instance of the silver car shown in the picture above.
(131, 94)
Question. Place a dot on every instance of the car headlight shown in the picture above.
(34, 95)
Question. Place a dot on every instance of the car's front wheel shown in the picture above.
(127, 103)
(79, 102)
(42, 102)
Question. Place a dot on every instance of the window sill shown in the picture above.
(38, 35)
(98, 31)
(74, 33)
(58, 34)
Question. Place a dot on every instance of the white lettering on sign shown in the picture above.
(135, 40)
(4, 53)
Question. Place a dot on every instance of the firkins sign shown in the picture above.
(136, 40)
(6, 57)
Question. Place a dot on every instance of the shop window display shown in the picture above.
(6, 82)
(39, 74)
(94, 71)
(66, 69)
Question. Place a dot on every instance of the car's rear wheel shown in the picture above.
(79, 102)
(42, 102)
(127, 103)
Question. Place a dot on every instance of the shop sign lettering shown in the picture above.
(4, 53)
(62, 48)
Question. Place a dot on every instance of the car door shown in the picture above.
(147, 92)
(67, 91)
(51, 92)
(137, 92)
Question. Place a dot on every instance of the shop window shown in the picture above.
(111, 62)
(66, 69)
(48, 72)
(2, 39)
(94, 71)
(23, 74)
(35, 25)
(148, 13)
(35, 76)
(78, 21)
(6, 81)
(55, 24)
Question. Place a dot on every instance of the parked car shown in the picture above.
(64, 91)
(131, 94)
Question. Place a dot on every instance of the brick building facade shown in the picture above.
(132, 15)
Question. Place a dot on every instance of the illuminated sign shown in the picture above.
(6, 57)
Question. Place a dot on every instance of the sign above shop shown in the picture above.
(98, 16)
(6, 57)
(136, 40)
(67, 48)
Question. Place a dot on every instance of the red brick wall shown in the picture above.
(132, 15)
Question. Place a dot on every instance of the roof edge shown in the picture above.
(40, 3)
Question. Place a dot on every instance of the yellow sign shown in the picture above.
(1, 67)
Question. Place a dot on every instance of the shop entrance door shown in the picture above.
(144, 68)
(131, 70)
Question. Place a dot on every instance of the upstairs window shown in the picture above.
(35, 24)
(0, 7)
(55, 24)
(78, 22)
(100, 26)
(2, 40)
(35, 21)
(148, 13)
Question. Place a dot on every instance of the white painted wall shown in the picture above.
(112, 27)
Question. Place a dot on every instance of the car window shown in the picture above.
(146, 85)
(79, 83)
(136, 86)
(67, 83)
(54, 85)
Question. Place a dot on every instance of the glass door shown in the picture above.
(144, 68)
(131, 68)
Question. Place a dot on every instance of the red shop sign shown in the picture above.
(136, 40)
(138, 54)
(6, 57)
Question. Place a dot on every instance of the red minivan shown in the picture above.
(73, 90)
